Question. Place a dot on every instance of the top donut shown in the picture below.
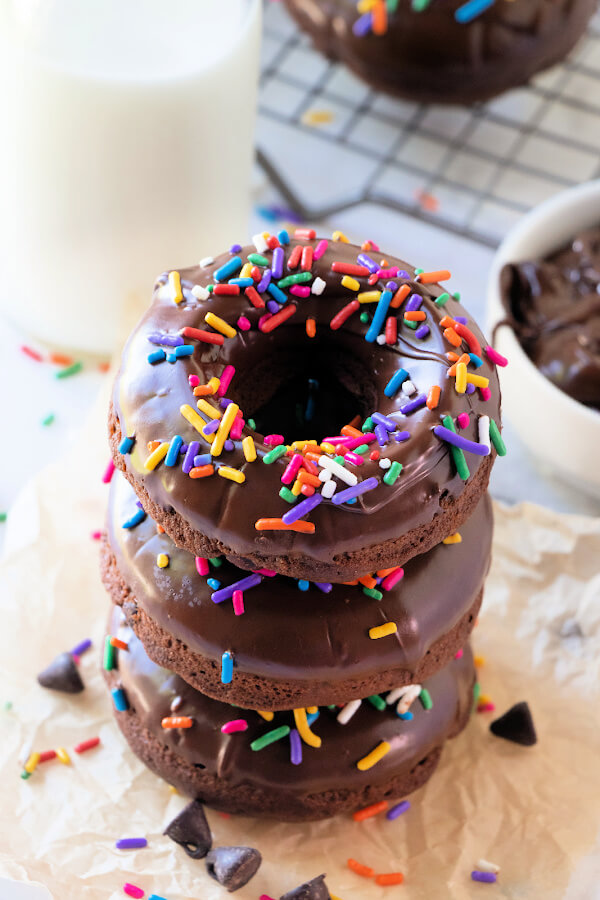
(295, 404)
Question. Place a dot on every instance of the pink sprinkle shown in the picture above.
(459, 654)
(300, 290)
(486, 707)
(108, 472)
(132, 890)
(243, 323)
(320, 249)
(393, 578)
(238, 603)
(463, 420)
(388, 273)
(193, 380)
(273, 440)
(225, 380)
(270, 573)
(354, 458)
(235, 724)
(292, 468)
(202, 565)
(485, 393)
(76, 659)
(496, 357)
(358, 442)
(237, 428)
(373, 246)
(96, 535)
(265, 897)
(340, 439)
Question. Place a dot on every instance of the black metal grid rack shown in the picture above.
(472, 171)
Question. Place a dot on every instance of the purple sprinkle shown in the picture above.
(387, 423)
(397, 810)
(462, 319)
(402, 436)
(273, 306)
(485, 877)
(188, 462)
(403, 274)
(166, 340)
(204, 459)
(471, 388)
(131, 843)
(138, 504)
(277, 263)
(422, 332)
(81, 647)
(413, 405)
(324, 586)
(361, 488)
(391, 286)
(415, 302)
(301, 509)
(235, 248)
(211, 426)
(463, 443)
(228, 445)
(382, 435)
(364, 260)
(183, 449)
(224, 402)
(264, 282)
(295, 747)
(245, 584)
(362, 26)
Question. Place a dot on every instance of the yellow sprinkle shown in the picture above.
(300, 445)
(205, 407)
(369, 296)
(317, 116)
(372, 758)
(232, 474)
(340, 236)
(351, 283)
(311, 710)
(479, 661)
(297, 488)
(453, 538)
(173, 789)
(175, 285)
(162, 560)
(478, 380)
(484, 699)
(327, 448)
(460, 382)
(267, 716)
(63, 756)
(229, 417)
(313, 740)
(213, 384)
(249, 449)
(246, 270)
(364, 6)
(156, 456)
(220, 325)
(31, 764)
(379, 631)
(194, 419)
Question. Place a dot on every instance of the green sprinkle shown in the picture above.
(25, 775)
(49, 419)
(392, 473)
(372, 592)
(456, 296)
(270, 737)
(460, 460)
(362, 449)
(8, 705)
(69, 370)
(420, 6)
(476, 691)
(294, 279)
(496, 438)
(392, 5)
(252, 424)
(364, 317)
(3, 516)
(332, 707)
(378, 702)
(287, 495)
(425, 698)
(339, 459)
(418, 271)
(210, 288)
(274, 454)
(258, 259)
(215, 561)
(413, 325)
(109, 655)
(442, 299)
(367, 425)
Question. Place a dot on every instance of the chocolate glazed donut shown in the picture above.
(302, 373)
(440, 54)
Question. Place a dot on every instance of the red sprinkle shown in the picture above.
(307, 258)
(305, 234)
(282, 316)
(349, 269)
(33, 354)
(295, 257)
(208, 337)
(86, 745)
(370, 811)
(391, 330)
(344, 313)
(374, 455)
(46, 755)
(232, 289)
(365, 871)
(467, 334)
(254, 297)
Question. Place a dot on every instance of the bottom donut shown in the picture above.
(267, 764)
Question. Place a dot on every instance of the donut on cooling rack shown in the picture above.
(306, 406)
(444, 51)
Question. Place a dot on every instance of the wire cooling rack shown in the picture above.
(473, 171)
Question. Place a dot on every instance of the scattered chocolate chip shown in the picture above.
(233, 867)
(310, 890)
(62, 675)
(516, 725)
(191, 830)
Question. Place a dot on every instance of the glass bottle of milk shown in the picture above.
(126, 150)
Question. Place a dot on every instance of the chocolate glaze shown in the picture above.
(147, 402)
(553, 305)
(150, 691)
(287, 633)
(431, 57)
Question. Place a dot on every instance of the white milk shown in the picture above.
(125, 149)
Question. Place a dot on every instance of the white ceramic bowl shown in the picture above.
(555, 427)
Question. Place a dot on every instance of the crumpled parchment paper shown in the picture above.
(535, 812)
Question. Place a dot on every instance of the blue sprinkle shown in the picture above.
(379, 315)
(312, 717)
(231, 267)
(171, 358)
(242, 282)
(119, 699)
(156, 356)
(213, 583)
(283, 237)
(184, 350)
(227, 668)
(476, 360)
(172, 457)
(126, 445)
(138, 516)
(303, 584)
(406, 717)
(395, 382)
(277, 293)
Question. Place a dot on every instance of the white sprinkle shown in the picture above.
(324, 475)
(339, 471)
(397, 693)
(206, 262)
(346, 713)
(408, 388)
(408, 699)
(385, 463)
(318, 286)
(25, 752)
(260, 243)
(485, 866)
(329, 489)
(380, 339)
(484, 431)
(200, 293)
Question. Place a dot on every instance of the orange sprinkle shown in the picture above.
(433, 397)
(368, 581)
(426, 201)
(355, 422)
(447, 322)
(465, 358)
(365, 871)
(307, 478)
(416, 315)
(400, 296)
(280, 525)
(116, 642)
(369, 811)
(177, 722)
(104, 366)
(351, 431)
(204, 390)
(381, 573)
(379, 17)
(60, 359)
(349, 582)
(311, 327)
(309, 455)
(452, 356)
(160, 529)
(201, 471)
(452, 337)
(389, 878)
(152, 445)
(434, 277)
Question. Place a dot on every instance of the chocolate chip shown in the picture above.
(190, 829)
(516, 725)
(62, 675)
(310, 890)
(233, 867)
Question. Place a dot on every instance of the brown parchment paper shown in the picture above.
(536, 812)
